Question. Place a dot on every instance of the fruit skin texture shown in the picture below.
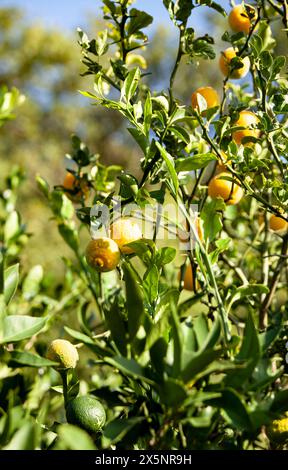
(64, 353)
(227, 190)
(209, 94)
(86, 412)
(124, 231)
(277, 224)
(225, 60)
(79, 188)
(102, 254)
(246, 119)
(238, 19)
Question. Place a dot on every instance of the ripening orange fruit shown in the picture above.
(76, 188)
(277, 224)
(209, 94)
(224, 64)
(231, 192)
(246, 119)
(239, 20)
(188, 279)
(124, 231)
(102, 254)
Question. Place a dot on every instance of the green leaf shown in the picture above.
(11, 227)
(249, 354)
(138, 20)
(150, 283)
(140, 138)
(267, 338)
(212, 218)
(18, 327)
(43, 186)
(198, 364)
(115, 323)
(130, 84)
(11, 279)
(31, 284)
(73, 438)
(172, 392)
(170, 166)
(200, 326)
(25, 358)
(70, 235)
(246, 291)
(117, 429)
(165, 256)
(129, 367)
(25, 438)
(196, 162)
(134, 301)
(147, 114)
(98, 350)
(176, 335)
(234, 409)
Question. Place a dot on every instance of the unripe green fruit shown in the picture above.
(86, 412)
(64, 353)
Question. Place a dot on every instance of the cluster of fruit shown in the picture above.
(84, 411)
(103, 254)
(241, 19)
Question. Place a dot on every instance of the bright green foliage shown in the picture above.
(198, 369)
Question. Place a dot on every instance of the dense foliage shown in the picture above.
(178, 361)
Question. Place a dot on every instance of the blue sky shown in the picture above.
(69, 14)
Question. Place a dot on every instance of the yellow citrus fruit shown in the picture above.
(209, 94)
(246, 119)
(224, 64)
(277, 224)
(76, 188)
(277, 431)
(239, 19)
(64, 353)
(231, 192)
(102, 254)
(124, 231)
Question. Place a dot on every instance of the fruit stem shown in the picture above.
(63, 374)
(211, 277)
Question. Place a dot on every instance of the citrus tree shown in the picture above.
(181, 274)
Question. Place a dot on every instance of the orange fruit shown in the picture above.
(239, 19)
(246, 119)
(277, 224)
(231, 192)
(188, 278)
(224, 64)
(209, 94)
(102, 254)
(76, 188)
(124, 231)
